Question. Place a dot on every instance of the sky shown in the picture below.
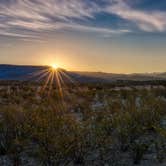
(116, 36)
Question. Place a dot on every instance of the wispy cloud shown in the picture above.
(146, 20)
(41, 15)
(30, 18)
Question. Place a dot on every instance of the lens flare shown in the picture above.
(54, 80)
(54, 66)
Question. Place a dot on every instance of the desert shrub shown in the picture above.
(11, 133)
(160, 143)
(101, 134)
(58, 137)
(138, 150)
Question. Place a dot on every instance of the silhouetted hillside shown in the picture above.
(38, 73)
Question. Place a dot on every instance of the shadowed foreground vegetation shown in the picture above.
(85, 126)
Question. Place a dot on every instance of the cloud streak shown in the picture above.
(50, 15)
(30, 18)
(145, 20)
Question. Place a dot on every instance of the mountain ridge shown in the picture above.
(28, 72)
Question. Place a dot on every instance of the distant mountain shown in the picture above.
(133, 77)
(41, 73)
(38, 73)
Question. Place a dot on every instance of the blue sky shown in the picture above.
(76, 26)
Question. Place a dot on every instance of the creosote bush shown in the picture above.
(56, 132)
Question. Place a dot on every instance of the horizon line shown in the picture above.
(91, 71)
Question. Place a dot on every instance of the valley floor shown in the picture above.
(92, 125)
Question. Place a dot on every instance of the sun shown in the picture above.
(54, 66)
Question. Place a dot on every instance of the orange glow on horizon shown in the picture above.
(54, 66)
